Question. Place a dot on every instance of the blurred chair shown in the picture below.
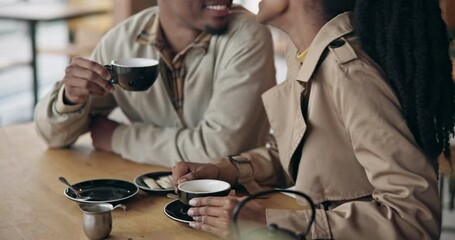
(122, 9)
(84, 33)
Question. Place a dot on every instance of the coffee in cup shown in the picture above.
(202, 188)
(133, 74)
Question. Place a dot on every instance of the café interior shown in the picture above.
(34, 54)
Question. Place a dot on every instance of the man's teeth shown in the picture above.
(217, 7)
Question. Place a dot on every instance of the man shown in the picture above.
(215, 62)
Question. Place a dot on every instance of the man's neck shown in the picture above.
(177, 35)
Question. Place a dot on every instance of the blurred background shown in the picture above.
(58, 41)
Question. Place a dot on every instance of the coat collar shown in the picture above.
(334, 29)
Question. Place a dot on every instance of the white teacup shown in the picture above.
(202, 188)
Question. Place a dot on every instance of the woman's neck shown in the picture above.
(302, 26)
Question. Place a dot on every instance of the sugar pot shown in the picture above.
(97, 219)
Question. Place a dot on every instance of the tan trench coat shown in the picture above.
(359, 158)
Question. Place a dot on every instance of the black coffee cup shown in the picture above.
(133, 74)
(202, 188)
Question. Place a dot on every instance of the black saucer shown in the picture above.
(139, 181)
(103, 191)
(177, 211)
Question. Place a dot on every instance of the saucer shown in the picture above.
(103, 191)
(139, 182)
(176, 211)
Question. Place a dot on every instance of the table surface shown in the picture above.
(46, 11)
(32, 204)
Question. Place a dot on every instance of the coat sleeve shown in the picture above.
(234, 121)
(404, 203)
(262, 172)
(61, 125)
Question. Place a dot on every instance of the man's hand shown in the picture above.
(102, 130)
(85, 78)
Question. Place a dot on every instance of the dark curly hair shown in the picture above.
(408, 39)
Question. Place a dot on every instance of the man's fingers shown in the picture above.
(87, 64)
(91, 71)
(82, 83)
(85, 77)
(76, 92)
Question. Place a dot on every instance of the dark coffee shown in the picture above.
(133, 74)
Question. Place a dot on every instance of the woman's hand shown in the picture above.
(185, 171)
(214, 215)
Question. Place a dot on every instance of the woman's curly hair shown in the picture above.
(408, 39)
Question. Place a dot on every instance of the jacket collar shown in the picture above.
(334, 29)
(153, 34)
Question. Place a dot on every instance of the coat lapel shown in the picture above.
(283, 103)
(283, 107)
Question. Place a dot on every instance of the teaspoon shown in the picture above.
(78, 195)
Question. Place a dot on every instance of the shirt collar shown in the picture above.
(153, 34)
(334, 29)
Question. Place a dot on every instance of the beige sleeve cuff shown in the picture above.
(245, 174)
(297, 221)
(61, 107)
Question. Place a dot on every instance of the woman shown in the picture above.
(358, 125)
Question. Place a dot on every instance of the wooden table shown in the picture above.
(32, 204)
(32, 14)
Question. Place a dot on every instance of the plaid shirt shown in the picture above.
(172, 67)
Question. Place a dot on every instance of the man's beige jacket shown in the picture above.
(359, 162)
(223, 112)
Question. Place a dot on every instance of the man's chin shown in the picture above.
(216, 30)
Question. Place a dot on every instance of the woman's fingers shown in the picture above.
(227, 202)
(179, 171)
(183, 171)
(210, 211)
(219, 207)
(214, 214)
(213, 221)
(222, 232)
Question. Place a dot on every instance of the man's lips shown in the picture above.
(218, 10)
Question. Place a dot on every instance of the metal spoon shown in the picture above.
(78, 195)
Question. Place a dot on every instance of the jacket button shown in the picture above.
(337, 43)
